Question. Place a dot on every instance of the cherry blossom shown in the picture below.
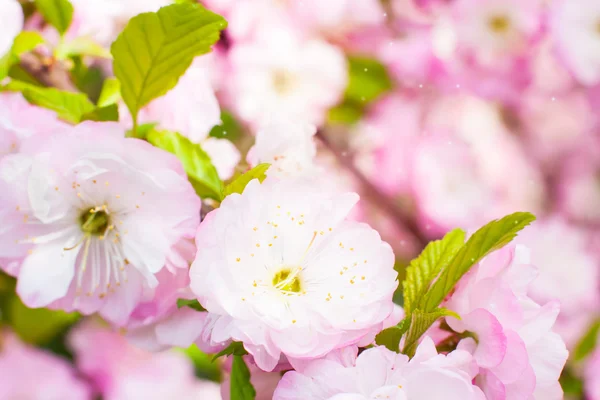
(287, 275)
(11, 17)
(101, 213)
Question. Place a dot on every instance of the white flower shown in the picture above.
(287, 274)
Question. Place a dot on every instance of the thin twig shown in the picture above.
(402, 220)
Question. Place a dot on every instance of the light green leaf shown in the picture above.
(111, 92)
(38, 325)
(107, 113)
(587, 343)
(193, 304)
(80, 46)
(155, 50)
(492, 236)
(196, 162)
(234, 348)
(420, 322)
(58, 13)
(368, 80)
(426, 267)
(205, 368)
(239, 184)
(25, 42)
(70, 107)
(241, 388)
(391, 336)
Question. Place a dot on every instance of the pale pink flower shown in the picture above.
(102, 210)
(190, 108)
(578, 191)
(103, 21)
(554, 244)
(592, 377)
(30, 373)
(288, 146)
(286, 274)
(120, 371)
(11, 20)
(20, 120)
(281, 75)
(223, 154)
(518, 354)
(575, 26)
(380, 373)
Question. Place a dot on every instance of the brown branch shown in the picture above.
(50, 73)
(373, 194)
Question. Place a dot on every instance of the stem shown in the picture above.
(48, 74)
(404, 222)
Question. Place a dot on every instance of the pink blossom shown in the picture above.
(103, 21)
(289, 147)
(592, 378)
(11, 19)
(287, 275)
(281, 75)
(102, 210)
(381, 373)
(555, 243)
(120, 371)
(20, 120)
(30, 373)
(519, 355)
(576, 29)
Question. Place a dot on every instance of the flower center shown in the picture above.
(598, 27)
(94, 222)
(287, 280)
(499, 23)
(283, 81)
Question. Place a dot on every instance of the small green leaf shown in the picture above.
(204, 366)
(426, 267)
(25, 42)
(70, 107)
(241, 388)
(111, 92)
(420, 322)
(156, 49)
(239, 184)
(587, 343)
(58, 13)
(235, 348)
(193, 304)
(368, 80)
(80, 46)
(391, 336)
(492, 236)
(108, 113)
(196, 162)
(229, 128)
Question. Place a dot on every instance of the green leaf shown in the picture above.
(229, 128)
(346, 113)
(235, 348)
(587, 343)
(391, 336)
(420, 322)
(69, 106)
(58, 13)
(155, 50)
(368, 80)
(241, 388)
(426, 267)
(492, 236)
(80, 46)
(196, 162)
(204, 366)
(38, 325)
(108, 113)
(239, 183)
(25, 42)
(193, 304)
(111, 92)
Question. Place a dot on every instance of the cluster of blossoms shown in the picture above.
(440, 114)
